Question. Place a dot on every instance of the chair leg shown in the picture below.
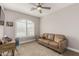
(0, 54)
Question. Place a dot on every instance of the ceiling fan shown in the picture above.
(39, 7)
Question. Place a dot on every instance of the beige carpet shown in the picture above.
(34, 49)
(70, 53)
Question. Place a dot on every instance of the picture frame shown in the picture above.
(1, 22)
(10, 24)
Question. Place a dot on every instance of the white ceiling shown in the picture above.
(26, 8)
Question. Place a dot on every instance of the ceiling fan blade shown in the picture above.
(33, 4)
(33, 9)
(46, 7)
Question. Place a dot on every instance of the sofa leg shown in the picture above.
(59, 52)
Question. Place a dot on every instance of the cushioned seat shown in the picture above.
(54, 44)
(58, 38)
(44, 41)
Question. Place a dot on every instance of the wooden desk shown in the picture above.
(10, 46)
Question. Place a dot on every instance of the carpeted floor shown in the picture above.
(70, 53)
(35, 49)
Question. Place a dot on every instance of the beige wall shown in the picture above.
(65, 21)
(13, 16)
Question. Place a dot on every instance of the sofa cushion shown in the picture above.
(41, 36)
(53, 44)
(44, 41)
(58, 38)
(45, 35)
(51, 36)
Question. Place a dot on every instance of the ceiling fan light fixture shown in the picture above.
(39, 8)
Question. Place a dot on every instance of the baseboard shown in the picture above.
(27, 41)
(75, 50)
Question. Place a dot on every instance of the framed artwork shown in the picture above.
(1, 22)
(10, 24)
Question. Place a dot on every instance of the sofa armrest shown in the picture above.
(62, 44)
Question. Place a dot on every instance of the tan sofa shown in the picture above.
(56, 42)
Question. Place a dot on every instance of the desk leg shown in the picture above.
(13, 52)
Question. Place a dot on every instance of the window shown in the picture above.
(24, 28)
(30, 28)
(21, 28)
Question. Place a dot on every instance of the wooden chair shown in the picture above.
(9, 46)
